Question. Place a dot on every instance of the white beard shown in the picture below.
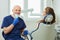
(14, 15)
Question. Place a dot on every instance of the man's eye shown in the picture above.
(15, 10)
(19, 10)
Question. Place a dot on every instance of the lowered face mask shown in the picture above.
(16, 16)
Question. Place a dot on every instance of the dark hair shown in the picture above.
(50, 10)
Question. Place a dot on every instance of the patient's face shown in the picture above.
(44, 13)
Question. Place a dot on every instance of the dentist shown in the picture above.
(13, 25)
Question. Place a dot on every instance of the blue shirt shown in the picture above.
(8, 20)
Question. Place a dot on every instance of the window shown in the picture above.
(31, 9)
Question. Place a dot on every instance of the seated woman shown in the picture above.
(46, 30)
(49, 16)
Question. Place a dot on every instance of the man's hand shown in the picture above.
(16, 20)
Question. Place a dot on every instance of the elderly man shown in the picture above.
(13, 25)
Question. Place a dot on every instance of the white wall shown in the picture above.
(56, 7)
(3, 12)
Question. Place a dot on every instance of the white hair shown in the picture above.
(11, 8)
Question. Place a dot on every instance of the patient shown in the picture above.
(48, 10)
(46, 30)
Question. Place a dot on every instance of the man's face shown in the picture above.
(16, 10)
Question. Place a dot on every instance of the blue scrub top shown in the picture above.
(8, 20)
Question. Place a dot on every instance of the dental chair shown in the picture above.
(57, 28)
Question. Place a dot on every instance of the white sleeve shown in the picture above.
(49, 18)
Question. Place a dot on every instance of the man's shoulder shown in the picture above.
(21, 19)
(6, 17)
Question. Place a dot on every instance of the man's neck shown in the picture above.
(13, 15)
